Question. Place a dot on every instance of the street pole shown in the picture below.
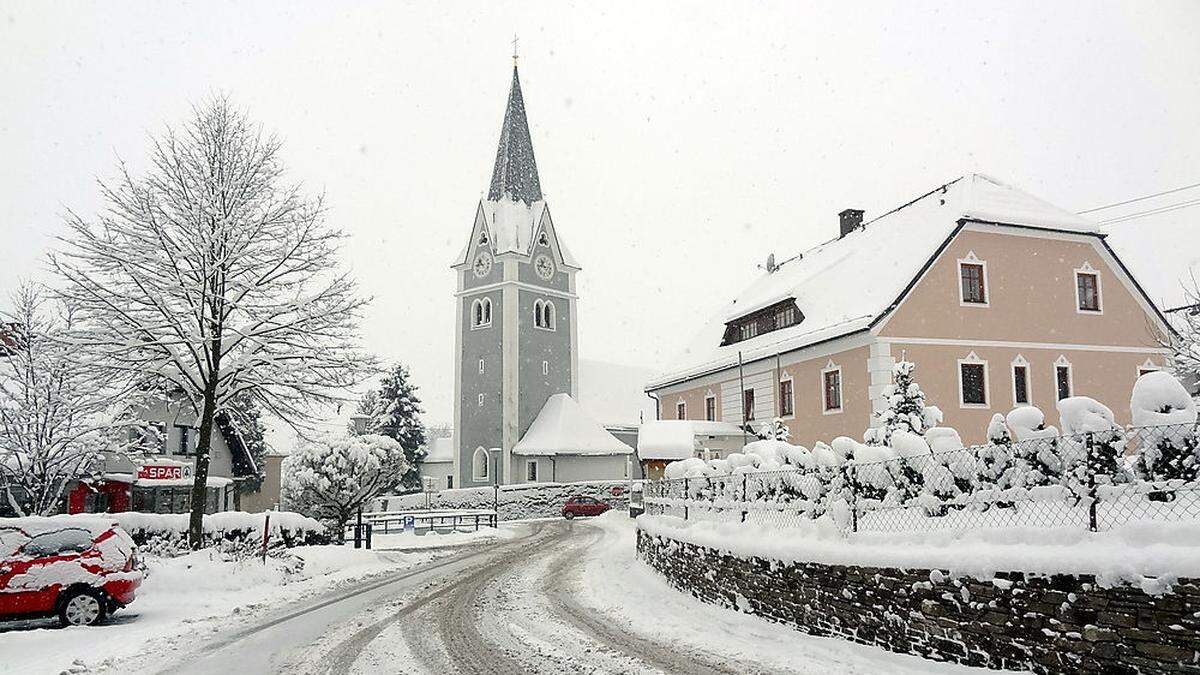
(742, 385)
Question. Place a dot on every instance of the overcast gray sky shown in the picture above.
(678, 144)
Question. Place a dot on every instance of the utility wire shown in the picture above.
(1149, 212)
(1139, 199)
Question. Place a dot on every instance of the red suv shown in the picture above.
(583, 506)
(80, 572)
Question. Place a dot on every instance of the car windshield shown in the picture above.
(57, 542)
(11, 539)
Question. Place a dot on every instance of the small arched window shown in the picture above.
(537, 313)
(479, 465)
(481, 313)
(548, 315)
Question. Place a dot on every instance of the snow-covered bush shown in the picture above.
(996, 460)
(775, 430)
(1035, 452)
(905, 409)
(1086, 420)
(692, 467)
(1169, 447)
(333, 479)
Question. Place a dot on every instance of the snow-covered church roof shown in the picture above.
(563, 428)
(843, 285)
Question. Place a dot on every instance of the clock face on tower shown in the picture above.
(482, 265)
(544, 266)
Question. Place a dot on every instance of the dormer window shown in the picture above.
(775, 317)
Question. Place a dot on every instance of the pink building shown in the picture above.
(1000, 299)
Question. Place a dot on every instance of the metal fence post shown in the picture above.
(1090, 466)
(686, 494)
(745, 497)
(849, 474)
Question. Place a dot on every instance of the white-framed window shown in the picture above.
(481, 366)
(972, 382)
(481, 399)
(1087, 290)
(481, 313)
(1064, 378)
(544, 314)
(545, 367)
(831, 388)
(787, 397)
(710, 407)
(1020, 381)
(531, 470)
(681, 410)
(972, 281)
(1147, 367)
(748, 404)
(480, 469)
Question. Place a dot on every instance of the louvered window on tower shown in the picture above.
(775, 317)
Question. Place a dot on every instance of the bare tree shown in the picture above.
(54, 411)
(213, 277)
(1186, 319)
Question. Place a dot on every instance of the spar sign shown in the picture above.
(163, 472)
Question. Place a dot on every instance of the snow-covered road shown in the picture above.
(558, 597)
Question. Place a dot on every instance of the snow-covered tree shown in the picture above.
(55, 411)
(217, 280)
(333, 479)
(394, 410)
(905, 409)
(775, 430)
(996, 460)
(244, 419)
(1035, 452)
(1186, 350)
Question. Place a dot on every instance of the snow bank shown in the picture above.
(1133, 553)
(514, 502)
(666, 439)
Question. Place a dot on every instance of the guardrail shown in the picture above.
(465, 520)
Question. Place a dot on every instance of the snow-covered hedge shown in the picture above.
(166, 533)
(516, 502)
(1025, 461)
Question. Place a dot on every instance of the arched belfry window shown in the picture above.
(481, 313)
(543, 314)
(479, 464)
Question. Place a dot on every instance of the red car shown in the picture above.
(583, 506)
(80, 572)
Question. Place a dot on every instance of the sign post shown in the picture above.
(266, 536)
(410, 523)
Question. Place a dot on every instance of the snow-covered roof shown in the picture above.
(843, 285)
(440, 450)
(676, 439)
(563, 428)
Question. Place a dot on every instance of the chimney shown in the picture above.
(851, 220)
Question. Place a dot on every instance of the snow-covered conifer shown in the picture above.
(215, 279)
(394, 410)
(1166, 413)
(905, 408)
(775, 430)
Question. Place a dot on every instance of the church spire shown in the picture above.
(515, 175)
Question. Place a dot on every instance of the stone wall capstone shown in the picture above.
(1047, 624)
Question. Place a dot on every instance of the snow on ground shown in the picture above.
(1149, 553)
(410, 541)
(198, 593)
(627, 591)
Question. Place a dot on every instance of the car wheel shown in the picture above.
(568, 515)
(81, 607)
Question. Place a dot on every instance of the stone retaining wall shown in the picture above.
(1049, 624)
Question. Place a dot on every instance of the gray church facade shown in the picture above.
(516, 342)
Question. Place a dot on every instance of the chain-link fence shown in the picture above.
(1095, 480)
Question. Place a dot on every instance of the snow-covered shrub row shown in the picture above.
(515, 502)
(929, 467)
(165, 534)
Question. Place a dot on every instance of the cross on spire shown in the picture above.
(515, 49)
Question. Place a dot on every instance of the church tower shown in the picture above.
(515, 330)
